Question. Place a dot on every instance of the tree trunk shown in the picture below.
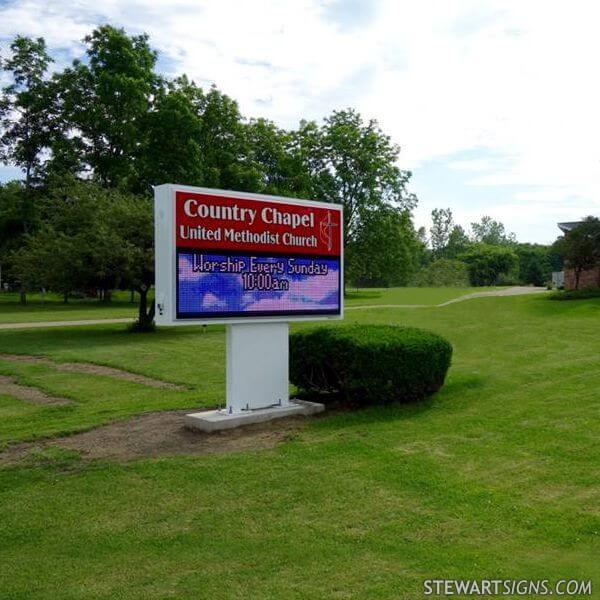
(145, 313)
(66, 298)
(143, 306)
(22, 296)
(132, 297)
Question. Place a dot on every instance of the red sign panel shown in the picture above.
(228, 223)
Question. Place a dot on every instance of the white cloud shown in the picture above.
(514, 78)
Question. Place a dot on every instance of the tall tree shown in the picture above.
(488, 263)
(170, 151)
(25, 107)
(385, 248)
(442, 224)
(458, 242)
(493, 233)
(356, 165)
(106, 99)
(224, 143)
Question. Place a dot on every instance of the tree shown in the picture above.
(384, 250)
(444, 272)
(106, 99)
(580, 247)
(81, 245)
(442, 224)
(534, 264)
(224, 143)
(357, 167)
(18, 217)
(131, 218)
(170, 151)
(458, 242)
(487, 263)
(492, 233)
(25, 107)
(353, 163)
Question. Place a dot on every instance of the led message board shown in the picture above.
(233, 256)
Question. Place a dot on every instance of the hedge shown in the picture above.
(366, 364)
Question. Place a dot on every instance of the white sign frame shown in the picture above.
(165, 257)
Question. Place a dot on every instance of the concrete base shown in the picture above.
(215, 420)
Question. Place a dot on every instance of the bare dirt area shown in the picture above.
(160, 434)
(91, 369)
(9, 387)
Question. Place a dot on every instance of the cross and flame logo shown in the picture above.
(326, 228)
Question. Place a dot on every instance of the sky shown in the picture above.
(495, 104)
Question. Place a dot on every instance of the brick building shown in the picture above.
(587, 279)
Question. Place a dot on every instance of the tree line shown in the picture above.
(93, 139)
(487, 255)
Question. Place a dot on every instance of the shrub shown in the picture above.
(443, 273)
(585, 294)
(369, 363)
(487, 263)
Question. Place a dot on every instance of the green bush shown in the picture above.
(367, 364)
(584, 294)
(443, 273)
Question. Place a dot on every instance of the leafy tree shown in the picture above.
(442, 225)
(131, 218)
(580, 247)
(458, 242)
(384, 250)
(487, 263)
(272, 158)
(24, 107)
(79, 247)
(352, 163)
(18, 216)
(444, 272)
(171, 151)
(534, 264)
(357, 167)
(492, 233)
(49, 260)
(106, 99)
(224, 143)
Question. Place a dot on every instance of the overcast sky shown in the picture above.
(495, 104)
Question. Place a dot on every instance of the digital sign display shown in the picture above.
(229, 285)
(238, 256)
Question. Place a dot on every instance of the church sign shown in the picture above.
(233, 257)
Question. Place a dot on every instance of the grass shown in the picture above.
(415, 295)
(51, 307)
(494, 477)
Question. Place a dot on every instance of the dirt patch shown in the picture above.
(161, 434)
(10, 387)
(92, 369)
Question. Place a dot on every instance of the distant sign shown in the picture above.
(232, 256)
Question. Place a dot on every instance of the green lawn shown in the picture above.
(407, 295)
(497, 476)
(52, 308)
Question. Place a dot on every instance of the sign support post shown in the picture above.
(257, 367)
